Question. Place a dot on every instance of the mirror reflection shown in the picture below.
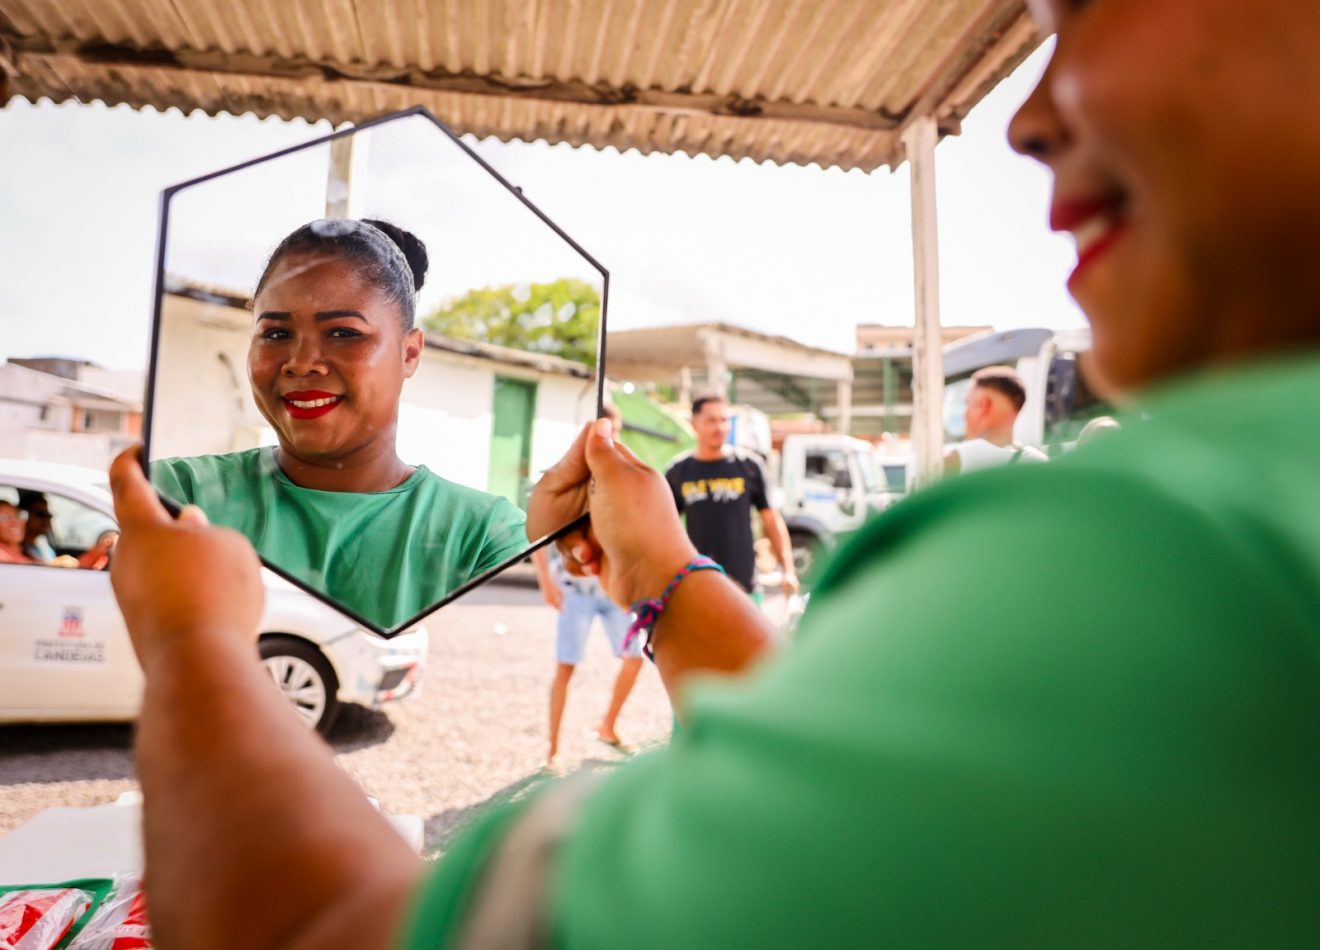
(369, 398)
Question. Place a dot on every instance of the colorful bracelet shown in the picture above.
(647, 612)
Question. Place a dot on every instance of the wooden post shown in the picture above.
(927, 353)
(717, 376)
(685, 388)
(717, 369)
(844, 423)
(891, 396)
(344, 183)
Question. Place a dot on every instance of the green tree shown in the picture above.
(560, 318)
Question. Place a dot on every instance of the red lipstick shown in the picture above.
(1095, 225)
(327, 403)
(1067, 215)
(1094, 250)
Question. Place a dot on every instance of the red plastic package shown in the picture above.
(38, 918)
(120, 923)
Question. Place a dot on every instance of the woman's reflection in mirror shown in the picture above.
(333, 341)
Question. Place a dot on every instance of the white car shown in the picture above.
(65, 654)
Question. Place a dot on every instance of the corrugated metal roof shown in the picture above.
(826, 81)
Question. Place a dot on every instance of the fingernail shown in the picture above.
(194, 515)
(605, 429)
(581, 553)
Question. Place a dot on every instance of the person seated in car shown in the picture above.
(97, 557)
(36, 538)
(13, 527)
(37, 543)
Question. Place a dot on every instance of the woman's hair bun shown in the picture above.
(414, 251)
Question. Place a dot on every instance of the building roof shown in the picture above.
(661, 353)
(833, 82)
(886, 340)
(72, 391)
(540, 362)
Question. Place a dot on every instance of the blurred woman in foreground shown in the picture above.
(1060, 705)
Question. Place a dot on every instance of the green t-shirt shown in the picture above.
(1066, 705)
(385, 555)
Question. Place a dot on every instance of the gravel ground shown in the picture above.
(477, 731)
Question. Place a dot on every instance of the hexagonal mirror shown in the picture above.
(366, 349)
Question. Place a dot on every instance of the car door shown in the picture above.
(64, 652)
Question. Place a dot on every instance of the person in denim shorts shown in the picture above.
(579, 601)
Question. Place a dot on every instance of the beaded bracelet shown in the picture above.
(647, 612)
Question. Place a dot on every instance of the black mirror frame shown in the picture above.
(162, 227)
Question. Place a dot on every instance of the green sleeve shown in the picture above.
(505, 536)
(1034, 709)
(436, 915)
(173, 480)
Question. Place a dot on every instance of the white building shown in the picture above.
(58, 418)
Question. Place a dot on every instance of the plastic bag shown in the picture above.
(120, 923)
(38, 918)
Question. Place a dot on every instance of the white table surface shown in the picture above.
(62, 844)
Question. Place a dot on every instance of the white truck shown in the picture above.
(829, 485)
(824, 484)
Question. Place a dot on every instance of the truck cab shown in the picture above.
(829, 485)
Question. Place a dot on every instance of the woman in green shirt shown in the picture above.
(333, 504)
(1064, 705)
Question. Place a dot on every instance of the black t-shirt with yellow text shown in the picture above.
(717, 498)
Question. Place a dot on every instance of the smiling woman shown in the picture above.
(332, 503)
(12, 527)
(1181, 172)
(335, 343)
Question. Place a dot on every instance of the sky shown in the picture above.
(798, 251)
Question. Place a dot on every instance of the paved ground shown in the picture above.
(477, 730)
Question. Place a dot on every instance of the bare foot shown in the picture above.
(611, 739)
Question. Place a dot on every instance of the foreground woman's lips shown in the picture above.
(1095, 226)
(310, 404)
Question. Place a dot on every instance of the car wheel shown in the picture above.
(806, 551)
(306, 679)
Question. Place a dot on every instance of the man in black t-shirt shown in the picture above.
(716, 486)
